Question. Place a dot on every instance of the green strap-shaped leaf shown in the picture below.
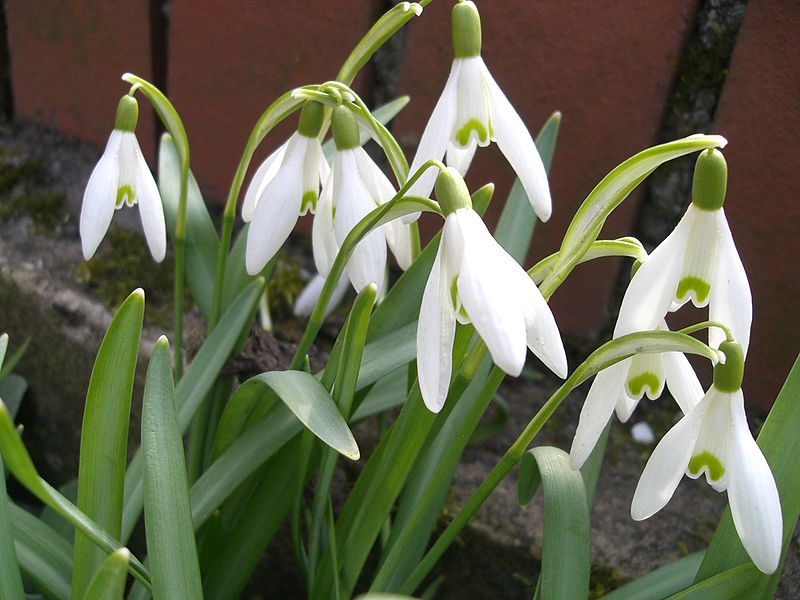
(514, 230)
(12, 390)
(566, 547)
(729, 584)
(193, 387)
(780, 444)
(45, 557)
(310, 402)
(104, 435)
(10, 579)
(108, 582)
(662, 582)
(202, 242)
(18, 462)
(172, 553)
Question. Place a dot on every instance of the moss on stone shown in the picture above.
(603, 579)
(285, 284)
(22, 195)
(122, 264)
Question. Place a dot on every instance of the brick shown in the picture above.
(227, 66)
(607, 68)
(757, 112)
(67, 59)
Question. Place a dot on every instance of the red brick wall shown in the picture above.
(608, 68)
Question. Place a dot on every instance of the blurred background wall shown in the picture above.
(625, 75)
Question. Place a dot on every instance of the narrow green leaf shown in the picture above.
(726, 585)
(172, 553)
(45, 557)
(10, 579)
(108, 582)
(662, 582)
(6, 366)
(12, 390)
(515, 227)
(566, 546)
(780, 444)
(104, 435)
(18, 462)
(202, 242)
(310, 402)
(194, 386)
(385, 354)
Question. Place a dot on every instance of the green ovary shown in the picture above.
(701, 288)
(125, 194)
(715, 469)
(637, 384)
(309, 202)
(463, 134)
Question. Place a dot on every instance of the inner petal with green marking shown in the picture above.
(694, 286)
(457, 306)
(125, 194)
(309, 202)
(636, 385)
(482, 131)
(705, 461)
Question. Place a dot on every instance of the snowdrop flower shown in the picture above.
(621, 386)
(698, 261)
(713, 439)
(121, 178)
(307, 299)
(474, 280)
(354, 188)
(284, 187)
(473, 111)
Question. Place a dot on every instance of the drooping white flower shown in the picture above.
(121, 178)
(284, 187)
(307, 299)
(620, 387)
(713, 439)
(354, 188)
(473, 279)
(473, 111)
(698, 261)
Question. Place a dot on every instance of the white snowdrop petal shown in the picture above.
(665, 468)
(472, 122)
(646, 376)
(151, 211)
(262, 177)
(489, 295)
(710, 454)
(753, 496)
(99, 199)
(311, 176)
(435, 333)
(353, 202)
(277, 210)
(307, 299)
(378, 185)
(323, 240)
(731, 300)
(437, 132)
(699, 258)
(460, 158)
(596, 411)
(517, 145)
(650, 293)
(681, 380)
(398, 236)
(541, 330)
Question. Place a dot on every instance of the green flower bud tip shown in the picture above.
(451, 191)
(311, 117)
(728, 376)
(466, 23)
(710, 180)
(127, 114)
(345, 128)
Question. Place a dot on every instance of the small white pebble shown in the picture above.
(642, 433)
